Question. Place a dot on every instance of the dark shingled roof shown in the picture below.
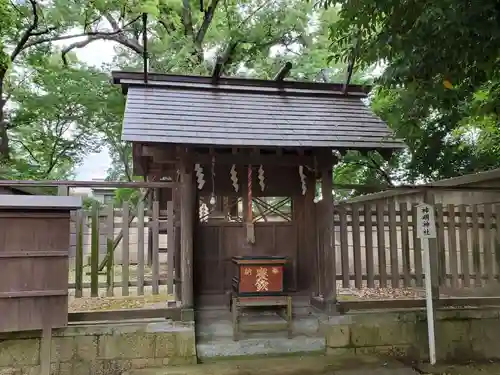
(193, 110)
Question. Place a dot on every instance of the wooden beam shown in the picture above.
(187, 207)
(255, 159)
(283, 72)
(325, 159)
(217, 70)
(169, 154)
(471, 302)
(350, 67)
(328, 270)
(222, 60)
(350, 70)
(145, 46)
(95, 184)
(173, 313)
(160, 153)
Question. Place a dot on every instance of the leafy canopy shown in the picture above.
(440, 90)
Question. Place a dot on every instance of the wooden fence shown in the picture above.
(111, 248)
(376, 245)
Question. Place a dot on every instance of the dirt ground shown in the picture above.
(288, 365)
(318, 365)
(471, 369)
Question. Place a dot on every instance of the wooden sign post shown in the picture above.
(426, 227)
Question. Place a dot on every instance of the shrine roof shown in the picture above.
(248, 112)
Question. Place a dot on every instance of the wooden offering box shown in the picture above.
(259, 276)
(34, 247)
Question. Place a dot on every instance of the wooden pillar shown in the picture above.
(328, 267)
(177, 253)
(309, 244)
(187, 207)
(233, 206)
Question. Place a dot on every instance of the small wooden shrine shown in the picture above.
(249, 156)
(259, 282)
(259, 276)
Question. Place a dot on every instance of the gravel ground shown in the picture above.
(380, 293)
(135, 301)
(118, 301)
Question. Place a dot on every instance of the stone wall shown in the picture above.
(461, 335)
(106, 349)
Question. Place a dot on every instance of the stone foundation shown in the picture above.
(104, 349)
(461, 335)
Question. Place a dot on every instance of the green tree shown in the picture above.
(440, 90)
(251, 38)
(56, 116)
(30, 24)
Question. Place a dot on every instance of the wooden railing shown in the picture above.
(376, 245)
(104, 265)
(118, 249)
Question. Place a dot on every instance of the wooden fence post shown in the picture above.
(79, 226)
(110, 251)
(329, 269)
(125, 249)
(94, 251)
(170, 247)
(156, 248)
(140, 248)
(187, 206)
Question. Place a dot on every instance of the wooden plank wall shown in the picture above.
(33, 267)
(376, 245)
(218, 242)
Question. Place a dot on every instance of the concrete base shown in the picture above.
(103, 349)
(462, 335)
(326, 306)
(214, 335)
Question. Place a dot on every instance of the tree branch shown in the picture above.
(207, 19)
(187, 20)
(26, 148)
(27, 33)
(112, 22)
(101, 34)
(44, 31)
(133, 45)
(123, 156)
(379, 168)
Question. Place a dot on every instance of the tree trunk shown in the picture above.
(4, 139)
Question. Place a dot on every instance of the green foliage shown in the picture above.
(56, 118)
(89, 202)
(6, 22)
(58, 114)
(440, 89)
(127, 195)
